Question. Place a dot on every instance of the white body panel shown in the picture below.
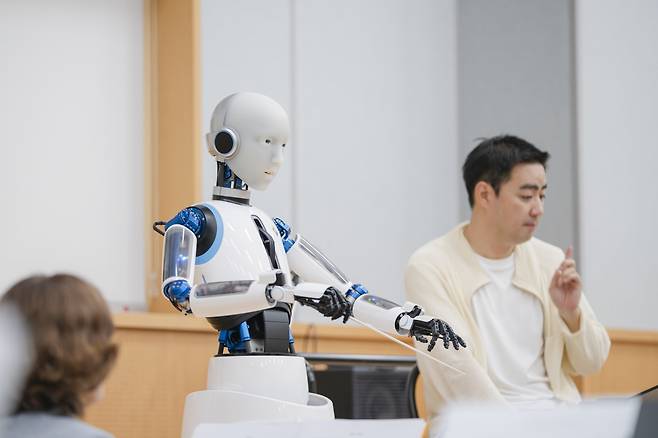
(239, 256)
(253, 299)
(379, 313)
(245, 374)
(254, 388)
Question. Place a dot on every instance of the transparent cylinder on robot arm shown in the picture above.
(179, 255)
(311, 265)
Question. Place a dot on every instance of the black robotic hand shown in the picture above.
(433, 329)
(332, 304)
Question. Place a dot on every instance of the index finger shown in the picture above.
(568, 254)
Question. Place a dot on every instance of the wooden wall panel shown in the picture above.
(632, 365)
(173, 78)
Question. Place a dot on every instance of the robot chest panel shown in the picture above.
(249, 245)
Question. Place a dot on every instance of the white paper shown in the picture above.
(412, 427)
(613, 418)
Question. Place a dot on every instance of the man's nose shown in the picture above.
(537, 209)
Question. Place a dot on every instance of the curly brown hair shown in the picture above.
(72, 331)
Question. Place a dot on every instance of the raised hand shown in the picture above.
(565, 290)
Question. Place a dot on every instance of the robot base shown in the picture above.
(255, 388)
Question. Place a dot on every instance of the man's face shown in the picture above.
(520, 203)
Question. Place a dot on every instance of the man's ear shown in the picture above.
(483, 194)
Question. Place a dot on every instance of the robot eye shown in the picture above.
(283, 145)
(268, 141)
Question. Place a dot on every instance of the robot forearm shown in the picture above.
(408, 320)
(235, 297)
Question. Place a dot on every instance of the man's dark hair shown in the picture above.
(494, 158)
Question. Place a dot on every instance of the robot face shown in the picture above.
(259, 156)
(262, 128)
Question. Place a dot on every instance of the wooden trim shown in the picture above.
(161, 322)
(632, 365)
(175, 134)
(150, 157)
(633, 336)
(179, 322)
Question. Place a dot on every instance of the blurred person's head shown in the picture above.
(505, 177)
(71, 328)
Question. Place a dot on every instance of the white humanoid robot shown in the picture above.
(229, 262)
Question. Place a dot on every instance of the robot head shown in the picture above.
(248, 131)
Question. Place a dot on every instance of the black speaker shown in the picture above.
(365, 391)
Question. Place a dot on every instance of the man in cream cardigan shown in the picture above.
(517, 301)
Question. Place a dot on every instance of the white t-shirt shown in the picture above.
(511, 323)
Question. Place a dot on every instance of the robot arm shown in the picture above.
(222, 298)
(181, 235)
(334, 296)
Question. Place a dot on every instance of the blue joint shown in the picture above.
(284, 232)
(227, 176)
(291, 340)
(191, 218)
(226, 337)
(356, 291)
(178, 290)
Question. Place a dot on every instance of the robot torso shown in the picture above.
(246, 244)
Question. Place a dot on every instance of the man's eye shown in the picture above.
(542, 197)
(526, 198)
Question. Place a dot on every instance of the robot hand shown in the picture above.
(434, 329)
(178, 292)
(332, 304)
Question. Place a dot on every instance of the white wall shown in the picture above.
(617, 64)
(371, 90)
(71, 141)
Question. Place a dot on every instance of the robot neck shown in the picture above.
(229, 186)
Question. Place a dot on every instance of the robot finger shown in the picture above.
(445, 334)
(430, 347)
(344, 307)
(346, 317)
(337, 306)
(441, 327)
(421, 338)
(452, 336)
(346, 311)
